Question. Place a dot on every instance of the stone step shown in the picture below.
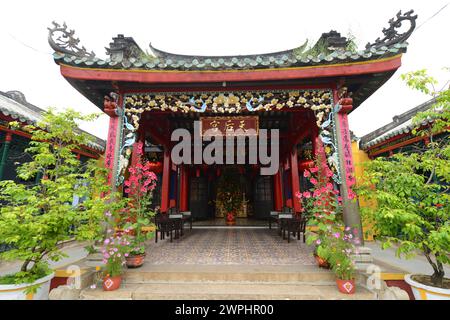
(224, 291)
(224, 273)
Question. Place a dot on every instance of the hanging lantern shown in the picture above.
(197, 172)
(156, 166)
(305, 164)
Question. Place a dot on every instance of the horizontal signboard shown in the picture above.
(230, 126)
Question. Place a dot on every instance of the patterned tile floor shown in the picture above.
(231, 247)
(239, 222)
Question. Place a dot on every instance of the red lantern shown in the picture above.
(156, 166)
(305, 164)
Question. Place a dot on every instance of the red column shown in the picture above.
(295, 180)
(184, 189)
(165, 181)
(278, 198)
(138, 149)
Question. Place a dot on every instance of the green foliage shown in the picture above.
(35, 219)
(412, 191)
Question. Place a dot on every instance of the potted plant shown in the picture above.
(115, 250)
(411, 194)
(229, 198)
(139, 187)
(339, 256)
(35, 218)
(322, 206)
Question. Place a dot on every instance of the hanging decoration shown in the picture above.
(320, 101)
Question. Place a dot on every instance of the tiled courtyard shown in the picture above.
(230, 246)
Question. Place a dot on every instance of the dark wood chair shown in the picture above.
(177, 219)
(282, 220)
(164, 226)
(295, 226)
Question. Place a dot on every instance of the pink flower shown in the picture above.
(108, 213)
(126, 254)
(306, 174)
(313, 181)
(336, 235)
(298, 194)
(106, 241)
(329, 173)
(307, 194)
(318, 241)
(314, 169)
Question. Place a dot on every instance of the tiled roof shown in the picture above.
(284, 59)
(13, 104)
(330, 49)
(400, 125)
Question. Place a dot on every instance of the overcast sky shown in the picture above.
(214, 28)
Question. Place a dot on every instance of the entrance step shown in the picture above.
(229, 273)
(224, 291)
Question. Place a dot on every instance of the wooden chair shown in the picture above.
(164, 226)
(283, 219)
(177, 218)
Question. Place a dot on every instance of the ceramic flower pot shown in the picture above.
(135, 261)
(346, 286)
(112, 283)
(425, 292)
(17, 291)
(230, 219)
(321, 262)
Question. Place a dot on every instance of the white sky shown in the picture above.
(214, 28)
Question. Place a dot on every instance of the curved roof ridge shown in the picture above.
(164, 54)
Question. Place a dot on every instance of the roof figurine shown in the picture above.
(391, 35)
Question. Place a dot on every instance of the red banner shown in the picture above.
(347, 151)
(234, 126)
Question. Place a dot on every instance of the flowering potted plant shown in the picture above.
(339, 256)
(229, 195)
(139, 187)
(114, 250)
(322, 205)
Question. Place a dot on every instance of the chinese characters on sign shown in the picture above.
(110, 147)
(347, 153)
(210, 126)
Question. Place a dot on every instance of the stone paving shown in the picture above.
(231, 246)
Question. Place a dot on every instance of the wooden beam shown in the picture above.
(157, 76)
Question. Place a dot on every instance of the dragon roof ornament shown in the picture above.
(63, 40)
(391, 35)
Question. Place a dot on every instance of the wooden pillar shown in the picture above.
(4, 154)
(111, 108)
(352, 217)
(277, 193)
(295, 180)
(165, 181)
(184, 188)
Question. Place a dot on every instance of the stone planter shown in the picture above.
(17, 291)
(425, 292)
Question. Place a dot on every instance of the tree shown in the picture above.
(411, 191)
(36, 218)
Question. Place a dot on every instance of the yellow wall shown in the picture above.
(359, 157)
